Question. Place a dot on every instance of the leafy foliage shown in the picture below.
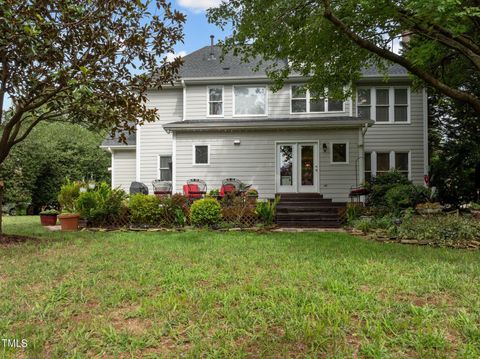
(333, 40)
(73, 61)
(205, 212)
(405, 196)
(101, 205)
(440, 229)
(266, 211)
(145, 209)
(380, 185)
(69, 193)
(37, 167)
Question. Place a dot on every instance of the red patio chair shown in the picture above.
(194, 189)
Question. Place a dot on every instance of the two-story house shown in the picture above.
(221, 120)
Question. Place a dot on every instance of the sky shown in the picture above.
(197, 29)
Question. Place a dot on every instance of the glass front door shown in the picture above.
(297, 168)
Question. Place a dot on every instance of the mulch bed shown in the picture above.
(10, 239)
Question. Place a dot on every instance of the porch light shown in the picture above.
(236, 142)
(324, 146)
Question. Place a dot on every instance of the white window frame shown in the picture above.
(392, 164)
(194, 157)
(158, 166)
(391, 103)
(223, 100)
(347, 157)
(246, 115)
(308, 98)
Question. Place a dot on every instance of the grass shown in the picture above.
(235, 294)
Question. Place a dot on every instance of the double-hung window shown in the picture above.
(378, 163)
(165, 168)
(250, 100)
(305, 101)
(384, 104)
(215, 101)
(382, 107)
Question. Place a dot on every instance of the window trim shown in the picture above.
(347, 157)
(308, 98)
(391, 104)
(194, 157)
(223, 100)
(245, 115)
(159, 168)
(392, 160)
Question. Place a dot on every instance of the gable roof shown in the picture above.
(113, 142)
(201, 64)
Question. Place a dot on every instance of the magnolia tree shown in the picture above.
(85, 61)
(332, 40)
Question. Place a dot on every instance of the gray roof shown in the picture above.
(200, 64)
(267, 123)
(113, 142)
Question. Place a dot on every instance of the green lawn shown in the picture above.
(235, 294)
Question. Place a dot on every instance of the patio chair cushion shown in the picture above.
(228, 188)
(189, 188)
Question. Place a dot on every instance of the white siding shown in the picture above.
(402, 137)
(254, 160)
(154, 141)
(123, 168)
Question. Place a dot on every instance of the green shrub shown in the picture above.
(69, 193)
(367, 224)
(354, 211)
(174, 210)
(205, 212)
(403, 196)
(440, 229)
(380, 185)
(266, 211)
(214, 192)
(145, 209)
(101, 205)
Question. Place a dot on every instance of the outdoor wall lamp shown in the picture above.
(324, 146)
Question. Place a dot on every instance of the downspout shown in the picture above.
(112, 167)
(184, 100)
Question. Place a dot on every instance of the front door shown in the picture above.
(297, 167)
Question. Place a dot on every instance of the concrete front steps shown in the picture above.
(308, 210)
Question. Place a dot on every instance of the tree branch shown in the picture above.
(391, 56)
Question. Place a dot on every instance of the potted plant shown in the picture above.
(67, 198)
(252, 195)
(48, 217)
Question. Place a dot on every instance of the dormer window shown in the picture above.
(304, 101)
(215, 101)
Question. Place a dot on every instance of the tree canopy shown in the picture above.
(82, 61)
(37, 167)
(332, 40)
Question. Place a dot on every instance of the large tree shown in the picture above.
(82, 61)
(332, 40)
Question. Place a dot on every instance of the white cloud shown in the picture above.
(170, 56)
(198, 5)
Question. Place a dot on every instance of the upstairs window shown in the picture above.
(364, 103)
(304, 101)
(250, 100)
(401, 105)
(384, 104)
(215, 101)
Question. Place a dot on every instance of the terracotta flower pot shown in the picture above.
(48, 219)
(69, 221)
